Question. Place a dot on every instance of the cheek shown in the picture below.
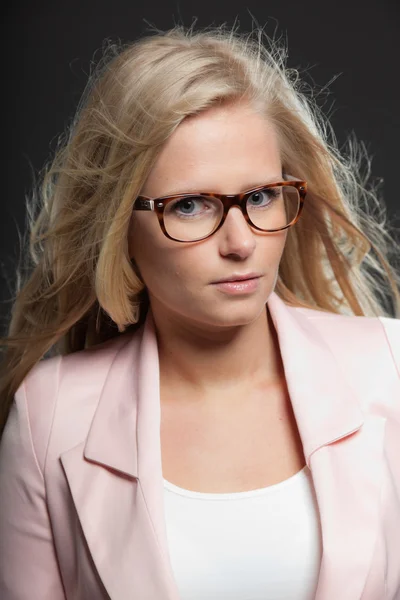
(151, 259)
(273, 247)
(162, 264)
(169, 277)
(143, 245)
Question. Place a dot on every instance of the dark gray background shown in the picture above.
(352, 47)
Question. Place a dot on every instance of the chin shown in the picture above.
(235, 314)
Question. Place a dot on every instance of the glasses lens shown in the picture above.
(273, 207)
(192, 218)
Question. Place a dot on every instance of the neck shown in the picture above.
(197, 362)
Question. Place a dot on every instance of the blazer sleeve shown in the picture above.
(28, 563)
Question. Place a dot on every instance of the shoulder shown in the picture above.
(60, 388)
(357, 337)
(367, 352)
(388, 327)
(49, 374)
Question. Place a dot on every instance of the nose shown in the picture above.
(237, 239)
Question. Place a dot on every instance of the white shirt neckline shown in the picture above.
(304, 472)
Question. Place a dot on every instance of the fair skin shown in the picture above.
(226, 418)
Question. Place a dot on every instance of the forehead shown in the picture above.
(226, 149)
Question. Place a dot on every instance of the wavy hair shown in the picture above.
(77, 286)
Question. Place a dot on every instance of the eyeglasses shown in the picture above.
(195, 216)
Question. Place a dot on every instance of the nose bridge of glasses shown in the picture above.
(231, 200)
(237, 201)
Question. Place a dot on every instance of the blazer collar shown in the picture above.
(325, 406)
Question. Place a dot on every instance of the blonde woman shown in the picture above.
(217, 412)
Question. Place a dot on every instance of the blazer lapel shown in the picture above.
(116, 482)
(343, 448)
(115, 478)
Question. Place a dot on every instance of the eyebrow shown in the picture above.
(192, 190)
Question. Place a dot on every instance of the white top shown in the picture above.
(262, 544)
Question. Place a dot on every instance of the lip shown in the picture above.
(238, 277)
(239, 287)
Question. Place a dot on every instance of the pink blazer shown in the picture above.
(81, 488)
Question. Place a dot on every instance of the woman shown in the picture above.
(217, 414)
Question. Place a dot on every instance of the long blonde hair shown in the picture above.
(78, 287)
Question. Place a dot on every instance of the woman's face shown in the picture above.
(228, 150)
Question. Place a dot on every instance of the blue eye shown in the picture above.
(193, 207)
(189, 206)
(264, 197)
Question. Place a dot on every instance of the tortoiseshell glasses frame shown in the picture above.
(228, 200)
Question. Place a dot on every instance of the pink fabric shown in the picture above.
(81, 488)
